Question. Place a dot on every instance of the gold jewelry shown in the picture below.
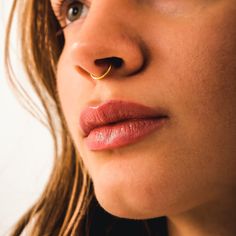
(102, 76)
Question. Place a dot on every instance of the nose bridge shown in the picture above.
(107, 34)
(103, 21)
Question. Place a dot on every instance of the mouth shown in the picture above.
(119, 123)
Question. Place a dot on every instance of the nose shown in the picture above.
(105, 39)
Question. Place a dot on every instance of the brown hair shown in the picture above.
(67, 206)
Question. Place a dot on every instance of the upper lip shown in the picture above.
(116, 111)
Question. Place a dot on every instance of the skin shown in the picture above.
(180, 56)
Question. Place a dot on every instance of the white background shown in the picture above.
(26, 153)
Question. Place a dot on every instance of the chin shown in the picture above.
(122, 211)
(127, 206)
(144, 202)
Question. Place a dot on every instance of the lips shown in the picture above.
(118, 123)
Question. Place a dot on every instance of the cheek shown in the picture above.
(199, 65)
(204, 90)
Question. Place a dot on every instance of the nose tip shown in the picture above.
(93, 53)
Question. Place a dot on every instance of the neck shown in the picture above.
(215, 218)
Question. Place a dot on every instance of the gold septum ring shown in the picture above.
(102, 76)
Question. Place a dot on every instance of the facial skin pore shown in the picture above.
(179, 55)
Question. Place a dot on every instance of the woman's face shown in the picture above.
(178, 56)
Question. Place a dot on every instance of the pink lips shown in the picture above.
(118, 123)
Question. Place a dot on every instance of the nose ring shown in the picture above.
(101, 76)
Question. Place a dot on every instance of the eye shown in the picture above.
(68, 11)
(75, 11)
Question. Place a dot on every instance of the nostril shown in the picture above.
(114, 61)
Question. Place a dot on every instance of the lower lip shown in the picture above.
(122, 133)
